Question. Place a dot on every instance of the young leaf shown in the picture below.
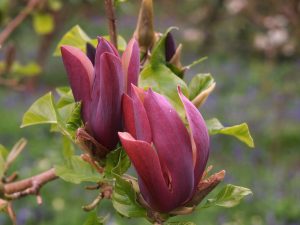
(43, 23)
(228, 197)
(199, 83)
(240, 131)
(202, 86)
(68, 148)
(42, 111)
(62, 91)
(74, 120)
(124, 199)
(117, 163)
(77, 171)
(66, 96)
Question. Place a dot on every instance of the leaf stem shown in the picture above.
(12, 25)
(29, 186)
(110, 13)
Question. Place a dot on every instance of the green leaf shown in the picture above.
(124, 199)
(74, 121)
(42, 111)
(66, 96)
(62, 91)
(68, 148)
(77, 171)
(240, 131)
(228, 197)
(199, 83)
(43, 23)
(75, 37)
(117, 163)
(180, 223)
(28, 70)
(161, 79)
(93, 219)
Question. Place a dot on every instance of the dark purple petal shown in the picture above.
(106, 117)
(80, 74)
(170, 46)
(91, 52)
(199, 136)
(153, 187)
(131, 64)
(172, 143)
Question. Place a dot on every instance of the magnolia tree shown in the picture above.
(128, 104)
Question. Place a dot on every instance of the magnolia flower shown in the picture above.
(100, 87)
(168, 157)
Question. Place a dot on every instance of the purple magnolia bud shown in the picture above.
(91, 52)
(168, 157)
(100, 87)
(170, 46)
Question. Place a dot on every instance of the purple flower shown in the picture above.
(100, 87)
(168, 157)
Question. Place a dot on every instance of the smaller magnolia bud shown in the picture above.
(91, 52)
(144, 32)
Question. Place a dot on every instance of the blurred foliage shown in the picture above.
(253, 53)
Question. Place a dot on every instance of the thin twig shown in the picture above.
(29, 186)
(12, 25)
(110, 13)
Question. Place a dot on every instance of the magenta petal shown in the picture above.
(80, 74)
(199, 136)
(131, 64)
(151, 180)
(128, 115)
(106, 117)
(135, 118)
(105, 46)
(142, 126)
(172, 143)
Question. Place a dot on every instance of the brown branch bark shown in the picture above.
(29, 186)
(110, 13)
(12, 25)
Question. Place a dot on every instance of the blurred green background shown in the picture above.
(253, 51)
